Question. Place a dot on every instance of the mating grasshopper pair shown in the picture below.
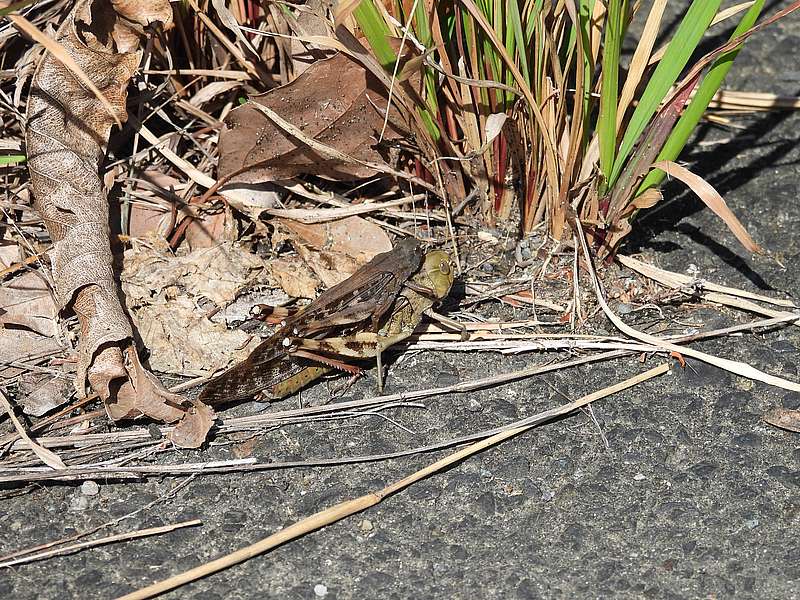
(378, 306)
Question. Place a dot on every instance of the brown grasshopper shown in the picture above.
(367, 295)
(430, 285)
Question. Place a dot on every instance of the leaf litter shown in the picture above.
(176, 281)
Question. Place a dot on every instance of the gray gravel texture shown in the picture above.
(692, 497)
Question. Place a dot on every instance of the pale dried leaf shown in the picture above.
(353, 236)
(39, 393)
(294, 277)
(711, 198)
(184, 342)
(330, 267)
(494, 125)
(250, 201)
(9, 254)
(26, 301)
(218, 273)
(334, 250)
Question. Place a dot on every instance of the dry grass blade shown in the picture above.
(64, 57)
(351, 507)
(120, 537)
(677, 281)
(752, 101)
(738, 368)
(641, 58)
(48, 457)
(711, 198)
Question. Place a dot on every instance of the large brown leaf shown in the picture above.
(335, 102)
(66, 135)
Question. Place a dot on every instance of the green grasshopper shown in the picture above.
(379, 292)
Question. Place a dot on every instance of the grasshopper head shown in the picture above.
(438, 272)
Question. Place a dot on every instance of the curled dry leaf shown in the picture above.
(67, 134)
(711, 198)
(335, 102)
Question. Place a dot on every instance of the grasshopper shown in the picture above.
(281, 364)
(430, 285)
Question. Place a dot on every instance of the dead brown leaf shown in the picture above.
(784, 418)
(336, 102)
(139, 394)
(26, 301)
(245, 448)
(354, 236)
(192, 430)
(211, 229)
(67, 134)
(333, 250)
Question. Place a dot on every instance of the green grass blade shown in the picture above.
(680, 49)
(705, 92)
(11, 159)
(609, 86)
(376, 32)
(515, 20)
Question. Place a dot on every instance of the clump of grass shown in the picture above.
(582, 134)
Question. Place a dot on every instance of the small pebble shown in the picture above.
(624, 309)
(90, 488)
(751, 523)
(78, 503)
(320, 590)
(639, 477)
(487, 267)
(154, 431)
(366, 526)
(473, 406)
(548, 495)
